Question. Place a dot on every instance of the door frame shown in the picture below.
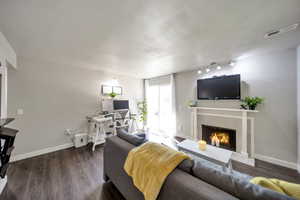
(3, 92)
(158, 128)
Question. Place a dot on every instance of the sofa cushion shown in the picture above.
(131, 138)
(233, 182)
(143, 135)
(186, 165)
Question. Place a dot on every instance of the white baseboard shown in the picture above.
(276, 161)
(40, 152)
(3, 182)
(243, 159)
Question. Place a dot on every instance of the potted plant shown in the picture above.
(251, 102)
(112, 95)
(142, 111)
(192, 103)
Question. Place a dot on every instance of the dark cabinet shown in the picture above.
(7, 139)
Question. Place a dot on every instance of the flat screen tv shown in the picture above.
(120, 104)
(222, 87)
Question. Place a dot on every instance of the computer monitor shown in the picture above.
(121, 104)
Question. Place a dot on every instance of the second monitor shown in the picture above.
(120, 104)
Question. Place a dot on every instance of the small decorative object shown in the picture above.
(112, 95)
(192, 103)
(251, 102)
(213, 141)
(117, 90)
(217, 142)
(106, 90)
(142, 109)
(109, 90)
(202, 145)
(244, 106)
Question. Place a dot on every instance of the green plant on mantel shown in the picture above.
(251, 102)
(112, 94)
(142, 109)
(192, 103)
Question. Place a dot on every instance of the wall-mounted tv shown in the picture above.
(221, 87)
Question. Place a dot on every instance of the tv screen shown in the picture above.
(223, 87)
(120, 104)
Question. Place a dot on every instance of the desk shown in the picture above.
(99, 123)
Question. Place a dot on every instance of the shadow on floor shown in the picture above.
(110, 192)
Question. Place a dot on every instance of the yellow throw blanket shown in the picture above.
(290, 189)
(149, 165)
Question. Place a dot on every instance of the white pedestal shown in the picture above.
(3, 182)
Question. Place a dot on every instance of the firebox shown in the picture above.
(218, 136)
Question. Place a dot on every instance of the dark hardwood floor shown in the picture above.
(268, 170)
(76, 174)
(70, 174)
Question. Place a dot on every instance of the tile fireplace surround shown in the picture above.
(233, 119)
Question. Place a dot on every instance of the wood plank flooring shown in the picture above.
(76, 174)
(268, 170)
(71, 174)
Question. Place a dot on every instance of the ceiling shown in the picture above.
(145, 38)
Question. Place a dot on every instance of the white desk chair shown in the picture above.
(122, 119)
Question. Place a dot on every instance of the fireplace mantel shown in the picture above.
(242, 156)
(225, 109)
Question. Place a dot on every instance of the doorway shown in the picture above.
(3, 88)
(159, 97)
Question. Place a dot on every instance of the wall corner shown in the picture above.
(298, 105)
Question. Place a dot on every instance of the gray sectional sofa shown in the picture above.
(191, 180)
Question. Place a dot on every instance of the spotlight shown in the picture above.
(199, 72)
(232, 63)
(219, 67)
(207, 70)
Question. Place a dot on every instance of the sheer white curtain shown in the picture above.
(160, 96)
(173, 99)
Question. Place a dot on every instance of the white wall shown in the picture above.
(8, 58)
(272, 76)
(298, 103)
(55, 97)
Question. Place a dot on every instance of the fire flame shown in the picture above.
(222, 138)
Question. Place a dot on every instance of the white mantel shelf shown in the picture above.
(226, 109)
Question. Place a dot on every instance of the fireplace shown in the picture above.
(218, 136)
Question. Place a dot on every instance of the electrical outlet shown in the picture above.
(20, 111)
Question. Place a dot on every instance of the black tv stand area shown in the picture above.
(7, 139)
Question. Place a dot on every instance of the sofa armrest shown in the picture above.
(115, 154)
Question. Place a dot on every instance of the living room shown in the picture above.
(85, 85)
